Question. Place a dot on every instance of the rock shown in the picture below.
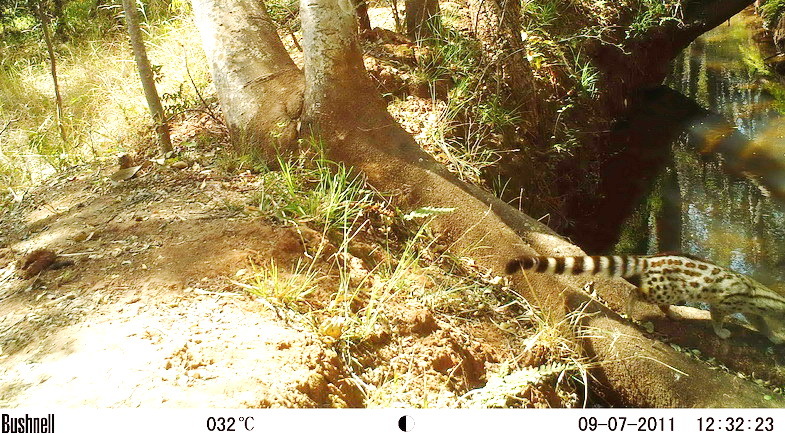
(125, 173)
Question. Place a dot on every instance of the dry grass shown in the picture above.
(105, 111)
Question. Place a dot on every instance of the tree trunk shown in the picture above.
(422, 17)
(396, 16)
(341, 106)
(498, 27)
(258, 84)
(44, 19)
(363, 21)
(146, 75)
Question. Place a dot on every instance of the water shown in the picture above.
(724, 219)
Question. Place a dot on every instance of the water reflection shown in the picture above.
(726, 220)
(724, 70)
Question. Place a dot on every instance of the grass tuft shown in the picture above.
(286, 287)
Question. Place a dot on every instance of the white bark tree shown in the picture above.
(259, 86)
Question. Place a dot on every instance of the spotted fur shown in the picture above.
(673, 279)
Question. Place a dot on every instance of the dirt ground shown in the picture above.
(148, 314)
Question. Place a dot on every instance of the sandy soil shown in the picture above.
(148, 314)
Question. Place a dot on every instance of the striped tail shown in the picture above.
(611, 266)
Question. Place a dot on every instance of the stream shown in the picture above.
(694, 205)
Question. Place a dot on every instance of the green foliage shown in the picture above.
(395, 278)
(753, 61)
(152, 12)
(539, 15)
(13, 24)
(567, 141)
(585, 75)
(493, 113)
(285, 13)
(651, 13)
(771, 11)
(181, 100)
(555, 33)
(83, 21)
(31, 139)
(250, 158)
(777, 92)
(475, 113)
(78, 20)
(104, 106)
(272, 282)
(312, 190)
(450, 54)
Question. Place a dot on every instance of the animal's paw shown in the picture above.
(722, 333)
(673, 315)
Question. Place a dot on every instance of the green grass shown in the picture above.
(585, 75)
(451, 54)
(312, 190)
(392, 280)
(777, 91)
(539, 15)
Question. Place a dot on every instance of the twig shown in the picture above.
(86, 253)
(294, 39)
(6, 126)
(199, 94)
(207, 292)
